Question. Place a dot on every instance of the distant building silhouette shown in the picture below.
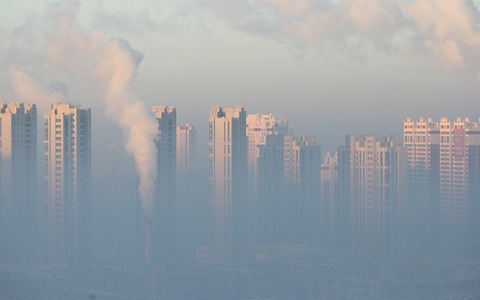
(164, 206)
(68, 173)
(18, 183)
(422, 143)
(186, 148)
(302, 171)
(328, 207)
(459, 179)
(228, 175)
(372, 175)
(265, 172)
(444, 180)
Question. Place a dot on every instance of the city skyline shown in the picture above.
(240, 149)
(363, 202)
(351, 88)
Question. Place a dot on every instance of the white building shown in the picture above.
(186, 148)
(328, 209)
(302, 171)
(444, 179)
(372, 175)
(164, 206)
(258, 128)
(228, 171)
(67, 174)
(422, 143)
(262, 201)
(459, 178)
(18, 182)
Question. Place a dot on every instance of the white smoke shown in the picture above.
(114, 64)
(28, 89)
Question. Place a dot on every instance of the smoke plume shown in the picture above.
(114, 64)
(28, 89)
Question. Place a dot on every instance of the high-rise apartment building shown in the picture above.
(328, 209)
(186, 148)
(443, 180)
(271, 201)
(459, 179)
(263, 207)
(422, 143)
(18, 182)
(372, 175)
(302, 171)
(164, 206)
(67, 174)
(228, 172)
(258, 128)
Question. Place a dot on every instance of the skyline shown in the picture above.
(194, 59)
(240, 149)
(291, 216)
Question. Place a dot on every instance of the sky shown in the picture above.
(331, 67)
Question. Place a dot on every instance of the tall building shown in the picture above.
(422, 143)
(186, 148)
(18, 182)
(258, 128)
(228, 172)
(372, 175)
(443, 180)
(459, 179)
(67, 174)
(302, 171)
(329, 176)
(164, 206)
(263, 207)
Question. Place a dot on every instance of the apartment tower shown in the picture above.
(302, 171)
(459, 180)
(228, 172)
(261, 208)
(164, 206)
(186, 148)
(18, 182)
(422, 143)
(329, 176)
(67, 174)
(372, 175)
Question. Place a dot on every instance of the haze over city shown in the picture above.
(235, 139)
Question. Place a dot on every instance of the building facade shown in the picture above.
(164, 206)
(372, 182)
(459, 179)
(67, 175)
(258, 128)
(422, 143)
(302, 171)
(186, 148)
(329, 178)
(443, 180)
(228, 175)
(18, 182)
(265, 143)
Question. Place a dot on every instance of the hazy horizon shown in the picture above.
(333, 68)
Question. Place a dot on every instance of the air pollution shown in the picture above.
(114, 64)
(26, 88)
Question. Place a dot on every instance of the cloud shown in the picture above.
(445, 30)
(447, 52)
